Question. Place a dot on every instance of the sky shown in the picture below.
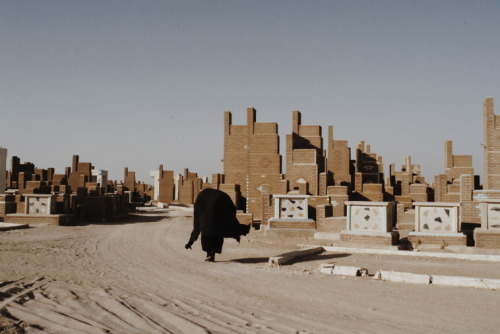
(141, 83)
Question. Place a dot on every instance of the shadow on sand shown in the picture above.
(318, 257)
(129, 219)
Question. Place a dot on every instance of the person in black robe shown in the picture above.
(215, 218)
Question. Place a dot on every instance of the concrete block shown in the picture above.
(402, 277)
(287, 257)
(468, 282)
(326, 268)
(349, 271)
(331, 269)
(12, 226)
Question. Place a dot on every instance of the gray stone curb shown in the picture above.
(342, 270)
(395, 276)
(460, 256)
(403, 277)
(287, 257)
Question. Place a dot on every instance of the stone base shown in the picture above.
(383, 239)
(290, 232)
(6, 208)
(439, 240)
(406, 226)
(19, 218)
(302, 228)
(486, 238)
(331, 224)
(292, 224)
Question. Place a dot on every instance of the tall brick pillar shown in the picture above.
(3, 169)
(491, 144)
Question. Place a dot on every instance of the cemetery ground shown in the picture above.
(135, 276)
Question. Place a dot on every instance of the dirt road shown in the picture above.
(136, 277)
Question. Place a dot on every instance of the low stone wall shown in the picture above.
(300, 224)
(390, 239)
(331, 224)
(486, 239)
(440, 240)
(38, 219)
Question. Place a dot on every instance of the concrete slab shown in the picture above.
(468, 282)
(402, 277)
(287, 257)
(446, 255)
(12, 226)
(331, 269)
(327, 236)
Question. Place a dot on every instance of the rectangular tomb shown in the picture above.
(39, 204)
(291, 216)
(488, 236)
(437, 223)
(370, 223)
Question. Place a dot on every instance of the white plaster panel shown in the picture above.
(493, 216)
(38, 205)
(367, 218)
(293, 208)
(437, 220)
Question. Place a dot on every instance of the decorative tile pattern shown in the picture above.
(367, 218)
(437, 219)
(293, 208)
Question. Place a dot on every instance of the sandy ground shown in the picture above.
(136, 277)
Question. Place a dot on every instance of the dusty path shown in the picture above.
(136, 277)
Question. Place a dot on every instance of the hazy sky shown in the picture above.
(141, 83)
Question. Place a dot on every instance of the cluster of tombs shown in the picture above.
(82, 194)
(324, 193)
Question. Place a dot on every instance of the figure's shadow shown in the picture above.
(318, 257)
(252, 260)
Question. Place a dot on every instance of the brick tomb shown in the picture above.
(291, 216)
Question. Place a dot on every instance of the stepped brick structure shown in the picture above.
(369, 175)
(340, 167)
(80, 173)
(164, 186)
(189, 186)
(252, 159)
(305, 157)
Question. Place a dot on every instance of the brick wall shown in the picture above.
(486, 239)
(325, 222)
(389, 240)
(31, 220)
